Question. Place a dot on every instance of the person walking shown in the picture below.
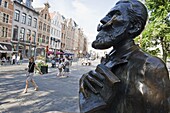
(18, 59)
(60, 68)
(21, 58)
(30, 74)
(13, 59)
(66, 67)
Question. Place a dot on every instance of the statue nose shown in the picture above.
(99, 27)
(105, 20)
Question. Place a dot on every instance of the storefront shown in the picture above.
(6, 51)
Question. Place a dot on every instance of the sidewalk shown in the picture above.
(14, 68)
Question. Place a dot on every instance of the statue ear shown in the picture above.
(135, 27)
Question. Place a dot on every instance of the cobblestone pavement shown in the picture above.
(55, 94)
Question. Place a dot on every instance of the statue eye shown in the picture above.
(118, 13)
(114, 12)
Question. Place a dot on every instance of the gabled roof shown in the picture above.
(52, 15)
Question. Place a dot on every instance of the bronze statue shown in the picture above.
(128, 80)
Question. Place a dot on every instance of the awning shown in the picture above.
(59, 53)
(67, 52)
(6, 47)
(50, 52)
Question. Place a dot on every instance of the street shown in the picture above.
(55, 94)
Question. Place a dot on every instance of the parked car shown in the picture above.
(86, 61)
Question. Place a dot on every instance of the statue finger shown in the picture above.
(95, 81)
(97, 75)
(90, 86)
(83, 90)
(83, 78)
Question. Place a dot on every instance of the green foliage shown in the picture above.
(157, 31)
(41, 63)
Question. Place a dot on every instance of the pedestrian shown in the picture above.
(13, 58)
(18, 59)
(60, 68)
(66, 67)
(71, 60)
(21, 58)
(30, 74)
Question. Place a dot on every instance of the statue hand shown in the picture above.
(88, 79)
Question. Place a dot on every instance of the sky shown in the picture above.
(86, 13)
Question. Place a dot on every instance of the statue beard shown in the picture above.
(107, 39)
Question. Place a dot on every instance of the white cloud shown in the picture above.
(37, 3)
(85, 16)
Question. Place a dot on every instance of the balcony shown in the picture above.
(24, 42)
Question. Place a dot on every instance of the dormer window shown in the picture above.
(6, 4)
(45, 16)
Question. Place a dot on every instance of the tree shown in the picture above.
(157, 32)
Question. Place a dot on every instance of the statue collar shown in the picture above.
(120, 55)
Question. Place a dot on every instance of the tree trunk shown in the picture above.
(165, 55)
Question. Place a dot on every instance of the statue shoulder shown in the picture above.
(156, 67)
(155, 62)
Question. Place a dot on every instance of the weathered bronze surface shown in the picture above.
(128, 80)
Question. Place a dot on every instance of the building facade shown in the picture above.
(56, 31)
(24, 27)
(6, 15)
(71, 26)
(44, 22)
(63, 33)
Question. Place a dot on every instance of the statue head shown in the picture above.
(124, 22)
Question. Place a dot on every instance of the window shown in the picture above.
(15, 33)
(43, 39)
(16, 16)
(22, 33)
(28, 35)
(35, 23)
(5, 18)
(45, 16)
(48, 29)
(5, 4)
(28, 3)
(47, 40)
(23, 21)
(44, 27)
(29, 20)
(39, 38)
(52, 31)
(33, 36)
(0, 2)
(4, 32)
(40, 25)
